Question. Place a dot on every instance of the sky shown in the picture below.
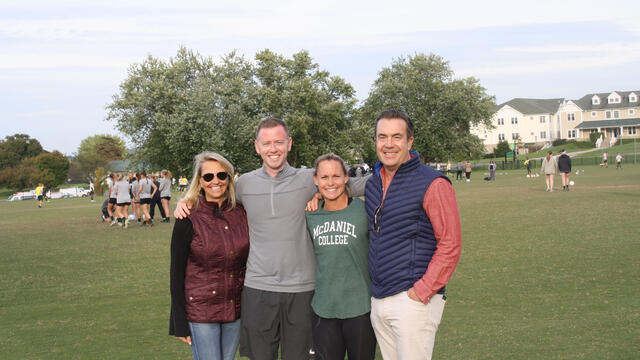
(61, 62)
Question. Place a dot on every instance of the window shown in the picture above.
(616, 114)
(500, 121)
(501, 137)
(558, 134)
(594, 114)
(514, 136)
(543, 134)
(614, 100)
(514, 120)
(530, 117)
(595, 100)
(607, 114)
(633, 98)
(571, 134)
(632, 130)
(543, 119)
(631, 111)
(571, 117)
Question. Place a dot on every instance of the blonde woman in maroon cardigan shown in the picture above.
(209, 252)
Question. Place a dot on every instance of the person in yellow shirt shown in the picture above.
(39, 193)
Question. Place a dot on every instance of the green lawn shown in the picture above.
(542, 276)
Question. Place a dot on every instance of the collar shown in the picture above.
(285, 171)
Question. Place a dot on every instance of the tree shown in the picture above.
(501, 149)
(441, 107)
(21, 176)
(52, 169)
(16, 147)
(317, 107)
(172, 110)
(97, 150)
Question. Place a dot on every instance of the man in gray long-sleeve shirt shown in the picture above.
(280, 277)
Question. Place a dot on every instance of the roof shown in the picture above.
(585, 102)
(533, 106)
(608, 123)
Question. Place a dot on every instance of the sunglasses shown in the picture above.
(222, 175)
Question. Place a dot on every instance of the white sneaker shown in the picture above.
(113, 222)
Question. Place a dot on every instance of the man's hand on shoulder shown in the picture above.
(182, 210)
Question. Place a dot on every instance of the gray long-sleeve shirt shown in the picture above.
(281, 252)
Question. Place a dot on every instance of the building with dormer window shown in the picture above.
(539, 121)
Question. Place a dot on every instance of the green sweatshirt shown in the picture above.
(341, 245)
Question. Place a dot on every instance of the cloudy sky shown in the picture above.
(62, 61)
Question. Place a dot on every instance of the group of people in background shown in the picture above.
(605, 160)
(140, 193)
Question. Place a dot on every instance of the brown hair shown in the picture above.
(396, 114)
(331, 157)
(271, 123)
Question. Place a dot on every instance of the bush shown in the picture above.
(558, 142)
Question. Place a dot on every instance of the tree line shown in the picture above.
(172, 109)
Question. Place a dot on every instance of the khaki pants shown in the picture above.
(406, 329)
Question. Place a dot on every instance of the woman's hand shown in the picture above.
(186, 339)
(314, 203)
(182, 210)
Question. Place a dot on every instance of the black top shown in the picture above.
(564, 163)
(180, 248)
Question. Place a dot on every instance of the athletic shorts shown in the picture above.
(113, 201)
(124, 203)
(271, 318)
(166, 197)
(145, 201)
(605, 161)
(39, 197)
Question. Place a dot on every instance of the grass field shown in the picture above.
(542, 276)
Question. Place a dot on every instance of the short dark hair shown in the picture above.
(271, 123)
(396, 114)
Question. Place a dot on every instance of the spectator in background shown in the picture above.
(40, 193)
(459, 168)
(91, 189)
(156, 201)
(564, 166)
(492, 170)
(467, 170)
(111, 182)
(605, 161)
(619, 159)
(146, 190)
(527, 163)
(165, 192)
(123, 200)
(548, 168)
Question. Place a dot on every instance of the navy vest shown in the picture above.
(400, 252)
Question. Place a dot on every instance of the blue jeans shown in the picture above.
(214, 341)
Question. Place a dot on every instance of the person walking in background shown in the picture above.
(156, 201)
(135, 185)
(467, 170)
(40, 194)
(209, 252)
(527, 164)
(548, 168)
(564, 166)
(123, 200)
(91, 189)
(415, 242)
(619, 159)
(111, 182)
(165, 192)
(459, 168)
(341, 301)
(492, 170)
(605, 162)
(146, 190)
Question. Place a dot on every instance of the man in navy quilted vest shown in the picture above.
(414, 244)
